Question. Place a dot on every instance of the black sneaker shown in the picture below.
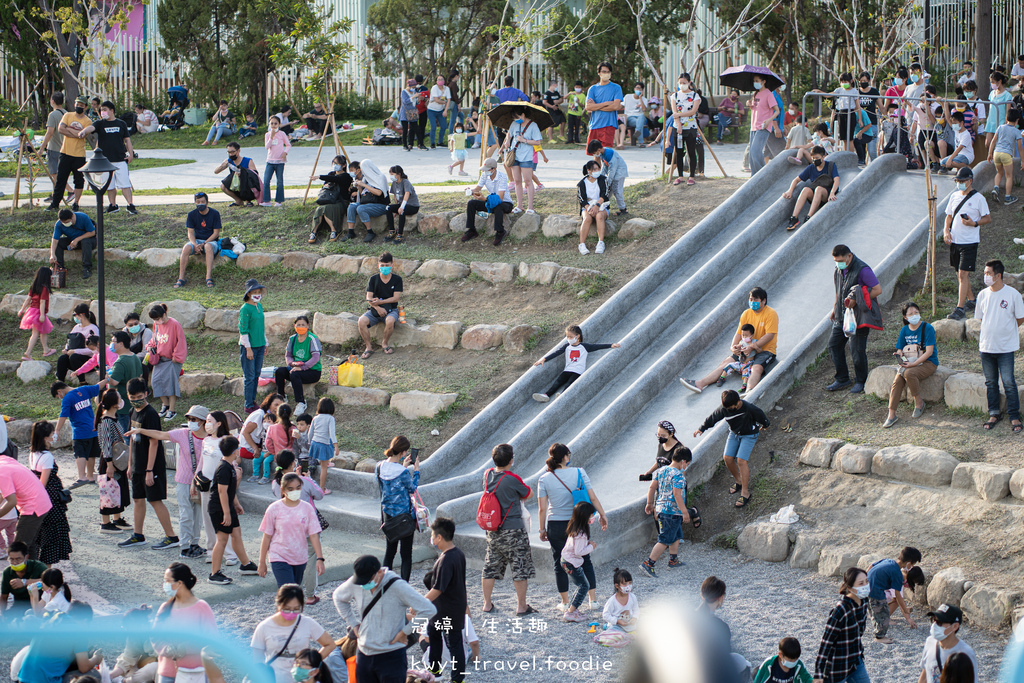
(168, 542)
(197, 551)
(112, 208)
(170, 415)
(132, 210)
(86, 273)
(52, 207)
(498, 237)
(468, 235)
(219, 579)
(248, 569)
(110, 528)
(793, 222)
(390, 236)
(350, 235)
(122, 523)
(957, 314)
(133, 541)
(623, 212)
(74, 207)
(970, 304)
(370, 236)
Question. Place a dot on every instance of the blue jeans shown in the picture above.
(723, 123)
(268, 176)
(365, 212)
(637, 123)
(457, 116)
(287, 573)
(437, 125)
(218, 129)
(996, 365)
(580, 579)
(758, 140)
(740, 446)
(251, 372)
(858, 675)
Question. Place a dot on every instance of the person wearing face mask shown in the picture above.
(891, 575)
(448, 594)
(845, 109)
(841, 653)
(999, 98)
(856, 287)
(667, 445)
(55, 532)
(666, 499)
(310, 667)
(286, 526)
(966, 212)
(685, 102)
(576, 102)
(785, 667)
(181, 610)
(127, 366)
(823, 177)
(383, 293)
(278, 142)
(370, 198)
(999, 308)
(252, 338)
(592, 193)
(763, 122)
(635, 111)
(302, 363)
(76, 407)
(111, 434)
(604, 101)
(870, 101)
(73, 230)
(943, 643)
(72, 154)
(407, 203)
(730, 110)
(895, 93)
(407, 114)
(113, 138)
(552, 102)
(1003, 147)
(746, 421)
(18, 577)
(203, 227)
(243, 182)
(509, 544)
(963, 152)
(918, 360)
(489, 195)
(334, 213)
(576, 353)
(621, 611)
(437, 111)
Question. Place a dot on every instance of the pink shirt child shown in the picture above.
(277, 439)
(185, 472)
(289, 527)
(576, 548)
(17, 479)
(277, 145)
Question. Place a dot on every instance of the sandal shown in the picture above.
(312, 237)
(695, 517)
(734, 489)
(180, 283)
(209, 282)
(388, 350)
(49, 353)
(489, 611)
(312, 600)
(366, 354)
(26, 357)
(742, 502)
(1016, 428)
(529, 610)
(993, 420)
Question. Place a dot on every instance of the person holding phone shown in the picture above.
(966, 212)
(397, 484)
(917, 358)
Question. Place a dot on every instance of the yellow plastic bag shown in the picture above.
(350, 374)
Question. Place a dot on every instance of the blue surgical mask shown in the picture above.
(757, 85)
(788, 664)
(385, 270)
(897, 81)
(754, 305)
(300, 674)
(914, 78)
(913, 319)
(336, 168)
(969, 95)
(842, 265)
(369, 585)
(135, 329)
(961, 186)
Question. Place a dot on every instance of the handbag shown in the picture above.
(119, 456)
(330, 194)
(579, 494)
(195, 468)
(324, 524)
(849, 322)
(76, 340)
(65, 496)
(110, 491)
(59, 278)
(349, 374)
(397, 527)
(421, 510)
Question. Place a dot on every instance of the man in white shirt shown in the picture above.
(635, 110)
(967, 74)
(943, 643)
(966, 211)
(1001, 311)
(489, 195)
(1018, 68)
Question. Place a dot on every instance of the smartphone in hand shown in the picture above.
(414, 453)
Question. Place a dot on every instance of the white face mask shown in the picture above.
(938, 632)
(989, 280)
(256, 298)
(627, 588)
(193, 426)
(788, 664)
(572, 340)
(211, 426)
(863, 591)
(293, 495)
(579, 89)
(336, 168)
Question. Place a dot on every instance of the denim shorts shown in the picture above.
(525, 164)
(213, 244)
(737, 446)
(371, 315)
(670, 528)
(958, 159)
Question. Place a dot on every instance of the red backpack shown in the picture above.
(488, 514)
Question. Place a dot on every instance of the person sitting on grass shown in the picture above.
(248, 128)
(823, 177)
(745, 422)
(592, 194)
(203, 227)
(382, 295)
(576, 353)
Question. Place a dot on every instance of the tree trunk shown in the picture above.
(68, 47)
(983, 34)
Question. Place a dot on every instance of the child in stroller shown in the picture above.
(174, 117)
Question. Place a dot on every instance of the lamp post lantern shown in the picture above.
(100, 172)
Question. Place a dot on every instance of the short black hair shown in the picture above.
(604, 65)
(790, 648)
(730, 398)
(1012, 115)
(18, 547)
(846, 76)
(840, 250)
(136, 385)
(386, 257)
(107, 104)
(909, 553)
(58, 98)
(304, 417)
(57, 386)
(712, 588)
(509, 81)
(997, 267)
(502, 455)
(915, 577)
(233, 145)
(443, 527)
(819, 150)
(594, 146)
(228, 445)
(66, 214)
(759, 293)
(748, 328)
(682, 455)
(122, 337)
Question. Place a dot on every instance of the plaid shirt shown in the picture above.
(841, 651)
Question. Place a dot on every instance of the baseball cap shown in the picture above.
(490, 164)
(199, 412)
(82, 99)
(364, 568)
(965, 173)
(947, 614)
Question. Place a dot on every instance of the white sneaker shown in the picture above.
(209, 557)
(300, 408)
(600, 248)
(230, 562)
(266, 204)
(463, 173)
(541, 398)
(450, 169)
(583, 249)
(530, 211)
(1018, 240)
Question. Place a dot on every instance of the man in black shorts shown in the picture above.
(147, 469)
(966, 211)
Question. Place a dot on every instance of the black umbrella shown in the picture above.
(742, 77)
(502, 116)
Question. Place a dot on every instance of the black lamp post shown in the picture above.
(100, 172)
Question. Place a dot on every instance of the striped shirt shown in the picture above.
(841, 650)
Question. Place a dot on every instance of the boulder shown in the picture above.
(442, 269)
(62, 306)
(972, 328)
(880, 381)
(987, 606)
(610, 226)
(282, 323)
(347, 460)
(541, 273)
(221, 319)
(114, 311)
(336, 329)
(988, 481)
(250, 260)
(188, 313)
(806, 551)
(195, 382)
(967, 390)
(526, 225)
(818, 452)
(834, 561)
(117, 254)
(366, 465)
(949, 330)
(866, 561)
(40, 255)
(234, 387)
(160, 258)
(516, 338)
(933, 389)
(765, 541)
(635, 227)
(20, 432)
(435, 223)
(300, 260)
(946, 587)
(7, 252)
(9, 367)
(33, 370)
(1017, 485)
(853, 459)
(560, 226)
(573, 277)
(415, 404)
(342, 264)
(12, 303)
(483, 337)
(915, 465)
(493, 272)
(359, 396)
(442, 335)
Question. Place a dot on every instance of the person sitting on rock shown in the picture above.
(489, 195)
(382, 295)
(918, 360)
(203, 226)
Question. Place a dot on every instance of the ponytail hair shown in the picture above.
(109, 400)
(83, 309)
(284, 418)
(157, 311)
(399, 444)
(283, 461)
(557, 454)
(55, 579)
(182, 573)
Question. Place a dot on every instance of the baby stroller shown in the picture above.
(174, 117)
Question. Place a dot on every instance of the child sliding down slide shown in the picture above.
(576, 353)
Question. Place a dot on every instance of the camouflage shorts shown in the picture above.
(880, 614)
(508, 547)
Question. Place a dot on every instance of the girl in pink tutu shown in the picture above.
(33, 313)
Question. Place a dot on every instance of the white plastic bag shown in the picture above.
(785, 515)
(104, 673)
(849, 323)
(527, 519)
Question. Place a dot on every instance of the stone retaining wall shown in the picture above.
(957, 389)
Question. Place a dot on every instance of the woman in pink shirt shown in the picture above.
(765, 111)
(182, 610)
(167, 353)
(277, 143)
(20, 488)
(286, 525)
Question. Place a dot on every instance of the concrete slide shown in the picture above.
(673, 319)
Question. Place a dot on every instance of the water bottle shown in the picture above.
(401, 314)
